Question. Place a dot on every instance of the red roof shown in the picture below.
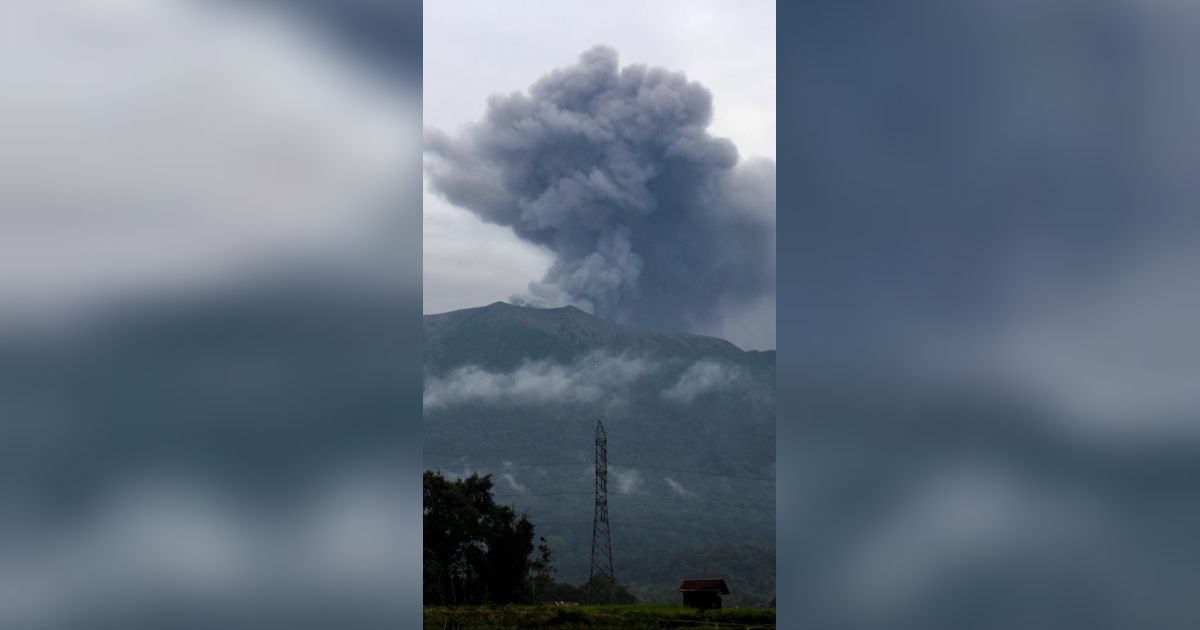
(705, 584)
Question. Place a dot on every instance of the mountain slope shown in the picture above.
(500, 334)
(516, 392)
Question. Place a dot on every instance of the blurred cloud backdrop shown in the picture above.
(990, 283)
(209, 311)
(209, 314)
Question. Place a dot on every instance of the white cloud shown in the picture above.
(678, 488)
(702, 377)
(594, 377)
(628, 480)
(515, 485)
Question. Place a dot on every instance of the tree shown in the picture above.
(478, 552)
(475, 551)
(541, 570)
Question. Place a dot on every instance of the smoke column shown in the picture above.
(651, 219)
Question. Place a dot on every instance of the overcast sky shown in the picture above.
(165, 146)
(474, 49)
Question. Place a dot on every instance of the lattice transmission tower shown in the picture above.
(602, 561)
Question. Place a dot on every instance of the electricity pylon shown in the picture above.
(602, 562)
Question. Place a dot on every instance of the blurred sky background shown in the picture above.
(209, 305)
(990, 359)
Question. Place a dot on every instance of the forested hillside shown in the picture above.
(517, 392)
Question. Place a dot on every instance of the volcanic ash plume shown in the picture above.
(651, 219)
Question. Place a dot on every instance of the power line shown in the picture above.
(540, 494)
(740, 536)
(695, 472)
(750, 503)
(686, 530)
(502, 465)
(506, 465)
(656, 497)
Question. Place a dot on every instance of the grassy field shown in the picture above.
(596, 617)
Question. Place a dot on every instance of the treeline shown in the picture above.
(476, 551)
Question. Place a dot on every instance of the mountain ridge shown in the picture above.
(480, 335)
(516, 392)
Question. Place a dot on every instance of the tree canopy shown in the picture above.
(479, 552)
(475, 550)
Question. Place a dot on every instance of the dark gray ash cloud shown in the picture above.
(652, 220)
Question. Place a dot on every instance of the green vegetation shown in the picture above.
(478, 552)
(595, 617)
(691, 481)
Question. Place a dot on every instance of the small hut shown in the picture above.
(703, 593)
